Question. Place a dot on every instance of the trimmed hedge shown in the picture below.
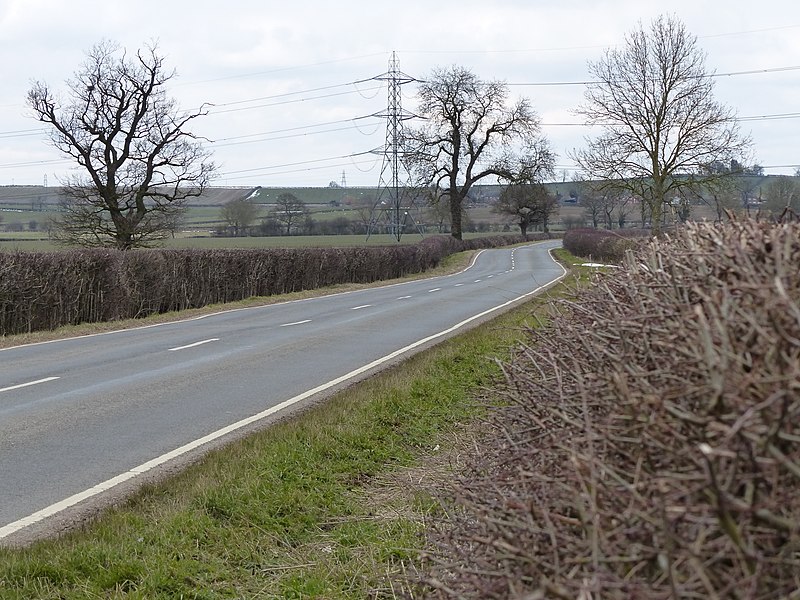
(46, 290)
(649, 445)
(603, 244)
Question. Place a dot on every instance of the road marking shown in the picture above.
(360, 307)
(58, 507)
(404, 297)
(208, 341)
(434, 290)
(296, 323)
(477, 281)
(458, 285)
(490, 276)
(30, 383)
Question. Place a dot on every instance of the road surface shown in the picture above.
(85, 419)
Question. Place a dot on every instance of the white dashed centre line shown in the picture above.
(193, 345)
(477, 281)
(434, 290)
(404, 297)
(458, 285)
(30, 383)
(360, 307)
(296, 323)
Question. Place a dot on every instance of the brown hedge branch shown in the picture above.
(650, 447)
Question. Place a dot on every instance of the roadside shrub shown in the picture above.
(603, 244)
(650, 446)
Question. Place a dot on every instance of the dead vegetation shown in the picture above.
(650, 443)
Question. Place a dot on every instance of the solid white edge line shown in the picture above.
(56, 508)
(30, 383)
(208, 341)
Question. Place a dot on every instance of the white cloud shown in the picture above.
(239, 50)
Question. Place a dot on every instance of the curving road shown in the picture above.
(82, 418)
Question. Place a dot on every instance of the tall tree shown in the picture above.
(471, 131)
(653, 100)
(139, 163)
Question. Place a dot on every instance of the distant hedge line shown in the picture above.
(46, 290)
(603, 244)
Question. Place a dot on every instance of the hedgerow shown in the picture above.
(650, 443)
(603, 244)
(46, 290)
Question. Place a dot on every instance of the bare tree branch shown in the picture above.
(661, 125)
(471, 133)
(139, 162)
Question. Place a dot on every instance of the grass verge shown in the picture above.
(289, 511)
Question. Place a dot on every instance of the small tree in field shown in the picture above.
(290, 211)
(239, 214)
(783, 193)
(529, 204)
(139, 161)
(653, 100)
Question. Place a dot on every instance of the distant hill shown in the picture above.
(40, 197)
(33, 197)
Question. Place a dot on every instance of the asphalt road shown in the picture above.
(86, 417)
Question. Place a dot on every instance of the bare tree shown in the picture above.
(139, 163)
(605, 204)
(365, 210)
(654, 102)
(470, 132)
(239, 214)
(438, 212)
(783, 192)
(290, 211)
(529, 204)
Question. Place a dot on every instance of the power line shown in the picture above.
(22, 133)
(218, 143)
(304, 162)
(710, 76)
(298, 100)
(374, 162)
(295, 93)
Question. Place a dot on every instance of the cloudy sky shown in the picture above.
(291, 81)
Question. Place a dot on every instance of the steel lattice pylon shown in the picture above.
(393, 203)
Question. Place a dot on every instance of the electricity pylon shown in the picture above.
(393, 206)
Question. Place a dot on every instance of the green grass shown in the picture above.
(294, 511)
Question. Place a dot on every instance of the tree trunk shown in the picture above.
(455, 216)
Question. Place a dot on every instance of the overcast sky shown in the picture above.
(281, 74)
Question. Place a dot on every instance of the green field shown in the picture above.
(34, 242)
